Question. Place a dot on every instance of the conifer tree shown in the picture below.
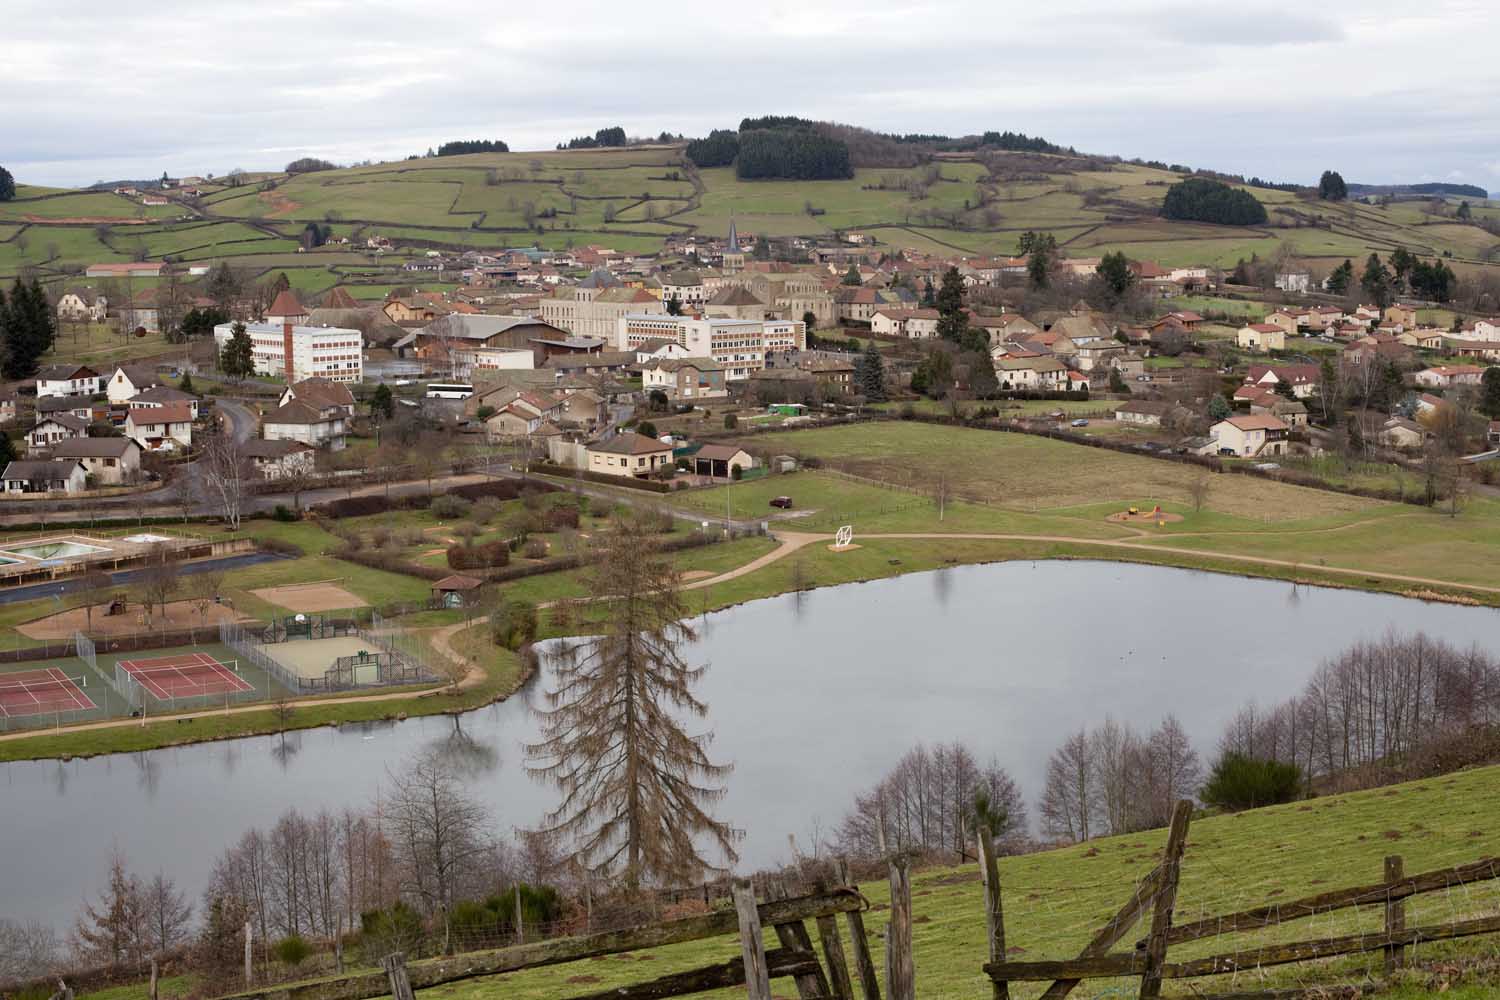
(636, 786)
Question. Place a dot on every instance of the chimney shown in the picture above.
(286, 348)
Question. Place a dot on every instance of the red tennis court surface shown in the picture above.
(41, 692)
(186, 675)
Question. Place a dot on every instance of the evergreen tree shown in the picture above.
(1331, 186)
(1402, 262)
(381, 402)
(1115, 270)
(952, 320)
(1340, 279)
(851, 276)
(1116, 381)
(635, 786)
(27, 329)
(237, 360)
(186, 385)
(1199, 199)
(1039, 265)
(1376, 281)
(7, 450)
(982, 381)
(810, 321)
(1218, 407)
(1489, 401)
(1463, 213)
(869, 375)
(7, 185)
(929, 294)
(674, 305)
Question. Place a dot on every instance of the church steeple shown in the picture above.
(734, 239)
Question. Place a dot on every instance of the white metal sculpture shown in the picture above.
(844, 537)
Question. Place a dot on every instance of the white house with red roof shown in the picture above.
(1249, 436)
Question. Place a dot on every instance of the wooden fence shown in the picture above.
(831, 978)
(1156, 895)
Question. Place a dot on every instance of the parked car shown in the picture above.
(1080, 422)
(785, 503)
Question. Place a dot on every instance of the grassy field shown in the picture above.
(1055, 899)
(560, 199)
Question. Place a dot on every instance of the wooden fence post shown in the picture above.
(901, 975)
(833, 953)
(520, 930)
(858, 940)
(752, 945)
(794, 937)
(249, 957)
(1166, 898)
(395, 971)
(994, 913)
(153, 988)
(1395, 915)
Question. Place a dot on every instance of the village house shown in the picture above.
(1249, 436)
(629, 454)
(1423, 339)
(1189, 321)
(1291, 412)
(9, 405)
(1008, 326)
(44, 477)
(1142, 413)
(1098, 354)
(109, 461)
(1302, 378)
(1288, 322)
(1295, 282)
(1401, 314)
(1398, 432)
(833, 372)
(686, 378)
(129, 381)
(160, 428)
(1261, 337)
(82, 305)
(54, 428)
(1444, 376)
(66, 380)
(583, 408)
(330, 397)
(161, 395)
(312, 425)
(278, 459)
(1031, 373)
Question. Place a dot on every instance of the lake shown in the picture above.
(812, 697)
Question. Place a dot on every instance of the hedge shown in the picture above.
(630, 482)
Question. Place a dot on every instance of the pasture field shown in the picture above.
(481, 201)
(1054, 900)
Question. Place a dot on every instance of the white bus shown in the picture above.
(449, 390)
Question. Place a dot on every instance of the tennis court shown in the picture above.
(184, 675)
(42, 692)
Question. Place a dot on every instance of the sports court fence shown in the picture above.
(181, 683)
(46, 698)
(396, 658)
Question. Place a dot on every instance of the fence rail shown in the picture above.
(1156, 894)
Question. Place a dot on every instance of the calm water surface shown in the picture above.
(812, 698)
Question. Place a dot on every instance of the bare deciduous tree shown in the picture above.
(225, 472)
(28, 950)
(111, 931)
(167, 914)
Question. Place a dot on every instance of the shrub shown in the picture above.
(486, 556)
(292, 950)
(282, 514)
(380, 536)
(384, 931)
(1242, 782)
(513, 624)
(731, 421)
(535, 548)
(448, 507)
(562, 517)
(484, 510)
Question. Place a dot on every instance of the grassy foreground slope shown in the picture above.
(1055, 900)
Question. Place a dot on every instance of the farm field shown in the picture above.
(559, 199)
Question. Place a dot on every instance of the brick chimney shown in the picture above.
(286, 348)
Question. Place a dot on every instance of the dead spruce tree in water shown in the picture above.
(635, 785)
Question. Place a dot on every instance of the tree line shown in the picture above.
(458, 147)
(604, 138)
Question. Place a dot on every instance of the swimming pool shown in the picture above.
(60, 549)
(146, 539)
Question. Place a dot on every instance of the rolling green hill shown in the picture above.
(632, 199)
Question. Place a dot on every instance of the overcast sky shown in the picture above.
(1383, 91)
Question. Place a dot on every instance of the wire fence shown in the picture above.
(398, 658)
(86, 649)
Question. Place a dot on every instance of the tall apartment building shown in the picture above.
(739, 345)
(283, 350)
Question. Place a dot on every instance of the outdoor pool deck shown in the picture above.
(43, 557)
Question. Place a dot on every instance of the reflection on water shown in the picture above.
(811, 696)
